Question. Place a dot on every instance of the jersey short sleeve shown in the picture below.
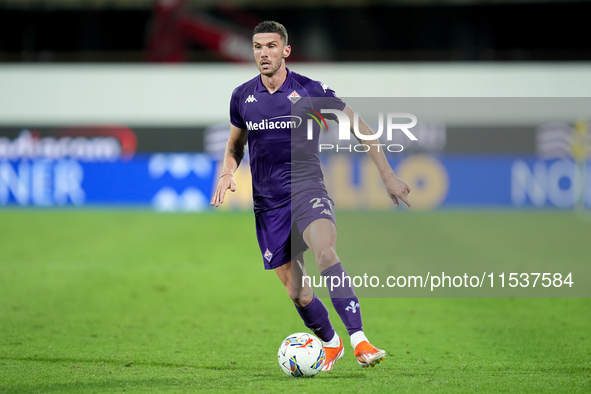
(236, 118)
(323, 97)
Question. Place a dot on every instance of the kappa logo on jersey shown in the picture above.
(324, 86)
(268, 255)
(353, 306)
(294, 97)
(326, 212)
(250, 99)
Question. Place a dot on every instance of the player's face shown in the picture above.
(269, 52)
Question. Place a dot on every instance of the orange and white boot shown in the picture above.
(332, 355)
(368, 355)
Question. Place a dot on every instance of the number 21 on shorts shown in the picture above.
(317, 203)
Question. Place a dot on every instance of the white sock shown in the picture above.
(334, 342)
(357, 338)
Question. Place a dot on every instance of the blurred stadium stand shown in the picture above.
(355, 30)
(88, 118)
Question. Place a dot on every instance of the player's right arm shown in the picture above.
(232, 158)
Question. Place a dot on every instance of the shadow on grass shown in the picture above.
(119, 384)
(115, 362)
(225, 375)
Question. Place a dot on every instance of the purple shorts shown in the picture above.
(280, 230)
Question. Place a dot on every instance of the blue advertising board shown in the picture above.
(185, 181)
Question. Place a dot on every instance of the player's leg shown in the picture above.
(311, 309)
(321, 236)
(276, 248)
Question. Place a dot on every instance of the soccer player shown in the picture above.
(293, 211)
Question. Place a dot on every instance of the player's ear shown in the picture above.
(286, 51)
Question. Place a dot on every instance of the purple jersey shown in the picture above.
(283, 161)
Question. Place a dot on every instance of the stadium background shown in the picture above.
(94, 94)
(114, 111)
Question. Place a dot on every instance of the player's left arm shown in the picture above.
(397, 189)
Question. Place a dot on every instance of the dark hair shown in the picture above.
(272, 27)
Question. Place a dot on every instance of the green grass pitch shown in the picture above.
(109, 301)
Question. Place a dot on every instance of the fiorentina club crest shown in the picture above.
(268, 255)
(294, 97)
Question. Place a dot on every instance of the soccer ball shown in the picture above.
(301, 355)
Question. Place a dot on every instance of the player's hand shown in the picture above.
(397, 190)
(226, 182)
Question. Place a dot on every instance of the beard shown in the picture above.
(271, 68)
